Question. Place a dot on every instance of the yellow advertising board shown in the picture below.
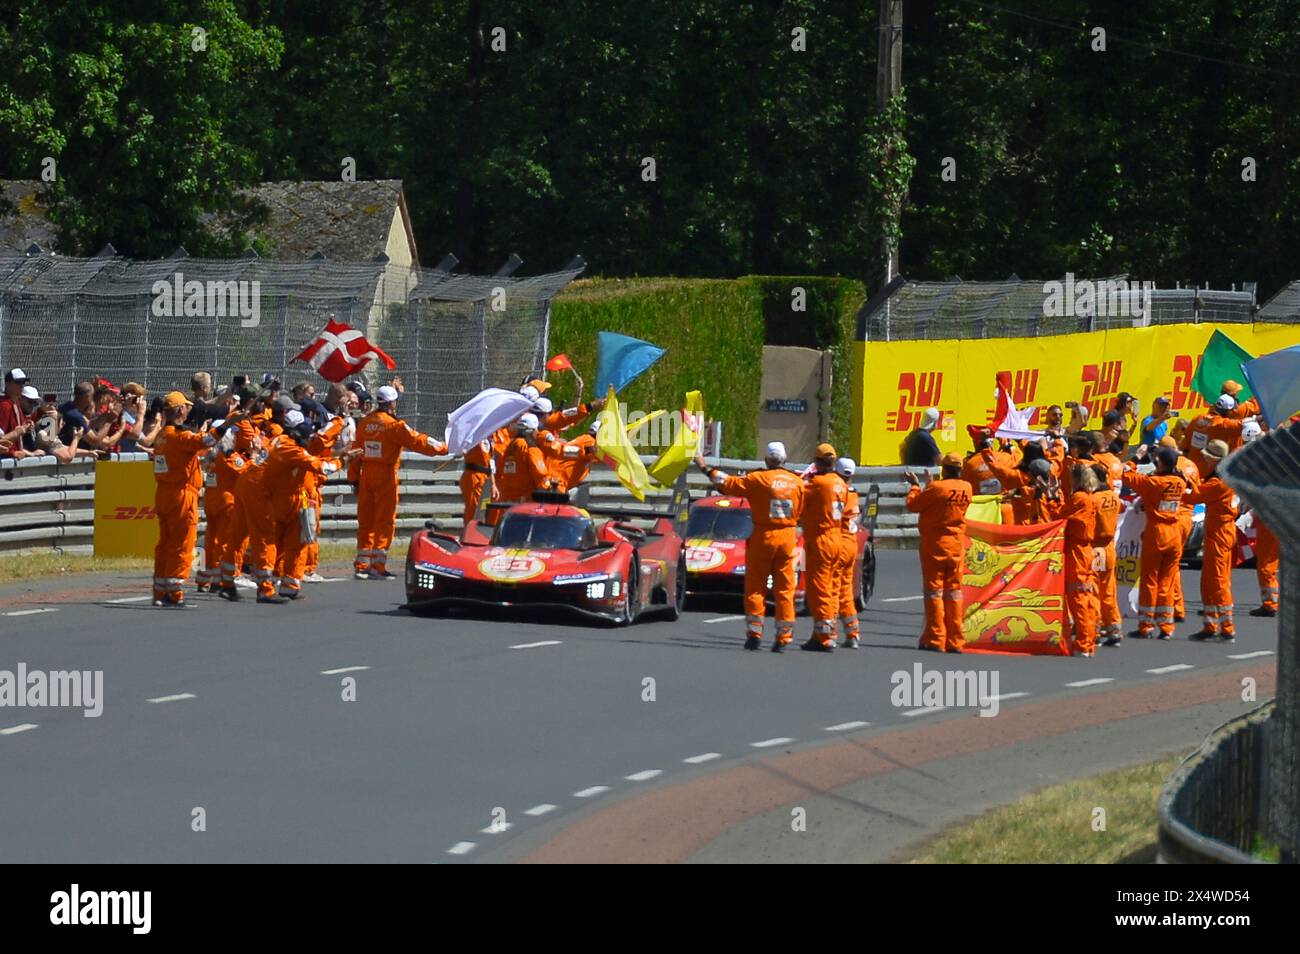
(125, 521)
(898, 380)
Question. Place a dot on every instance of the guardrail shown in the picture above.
(1210, 808)
(49, 506)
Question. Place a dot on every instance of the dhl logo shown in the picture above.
(916, 392)
(1100, 386)
(1024, 389)
(1182, 395)
(132, 513)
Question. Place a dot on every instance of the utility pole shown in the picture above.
(889, 80)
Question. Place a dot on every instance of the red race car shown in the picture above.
(718, 527)
(552, 553)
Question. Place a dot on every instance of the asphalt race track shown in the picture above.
(239, 710)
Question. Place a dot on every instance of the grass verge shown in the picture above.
(1055, 825)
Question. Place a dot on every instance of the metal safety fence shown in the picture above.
(907, 310)
(65, 320)
(45, 506)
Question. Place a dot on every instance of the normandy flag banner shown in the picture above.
(1014, 588)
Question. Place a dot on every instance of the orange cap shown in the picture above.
(1230, 387)
(1168, 441)
(823, 451)
(176, 399)
(542, 386)
(951, 459)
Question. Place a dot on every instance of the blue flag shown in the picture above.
(620, 358)
(1275, 379)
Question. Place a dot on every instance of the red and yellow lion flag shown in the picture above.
(1014, 588)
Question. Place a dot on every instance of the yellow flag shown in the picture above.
(677, 455)
(617, 452)
(986, 508)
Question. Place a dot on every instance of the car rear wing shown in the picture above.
(674, 510)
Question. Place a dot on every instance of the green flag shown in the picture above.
(1221, 362)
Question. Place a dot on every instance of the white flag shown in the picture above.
(481, 416)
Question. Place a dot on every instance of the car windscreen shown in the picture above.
(542, 531)
(719, 523)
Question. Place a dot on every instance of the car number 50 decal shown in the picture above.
(508, 568)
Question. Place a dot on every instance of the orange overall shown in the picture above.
(823, 518)
(942, 509)
(1218, 555)
(289, 471)
(569, 461)
(1079, 512)
(557, 421)
(219, 511)
(255, 517)
(521, 470)
(321, 445)
(1026, 506)
(776, 503)
(478, 469)
(1185, 511)
(176, 501)
(1108, 509)
(1268, 551)
(1213, 427)
(848, 563)
(1162, 544)
(383, 438)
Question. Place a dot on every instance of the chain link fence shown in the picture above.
(907, 310)
(64, 320)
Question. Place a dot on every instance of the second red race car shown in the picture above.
(718, 527)
(550, 553)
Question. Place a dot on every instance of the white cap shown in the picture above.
(1251, 431)
(31, 393)
(845, 467)
(776, 449)
(931, 418)
(293, 418)
(528, 422)
(530, 392)
(17, 374)
(543, 405)
(386, 394)
(1226, 402)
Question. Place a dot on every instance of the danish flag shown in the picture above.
(341, 351)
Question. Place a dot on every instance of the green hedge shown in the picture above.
(714, 331)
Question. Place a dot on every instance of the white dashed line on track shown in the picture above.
(1088, 682)
(724, 619)
(705, 757)
(644, 776)
(903, 599)
(1004, 696)
(928, 710)
(1176, 667)
(15, 729)
(545, 642)
(335, 672)
(846, 726)
(768, 743)
(539, 809)
(1254, 655)
(33, 612)
(176, 698)
(462, 848)
(591, 792)
(130, 599)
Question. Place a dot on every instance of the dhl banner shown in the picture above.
(1014, 588)
(898, 380)
(125, 522)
